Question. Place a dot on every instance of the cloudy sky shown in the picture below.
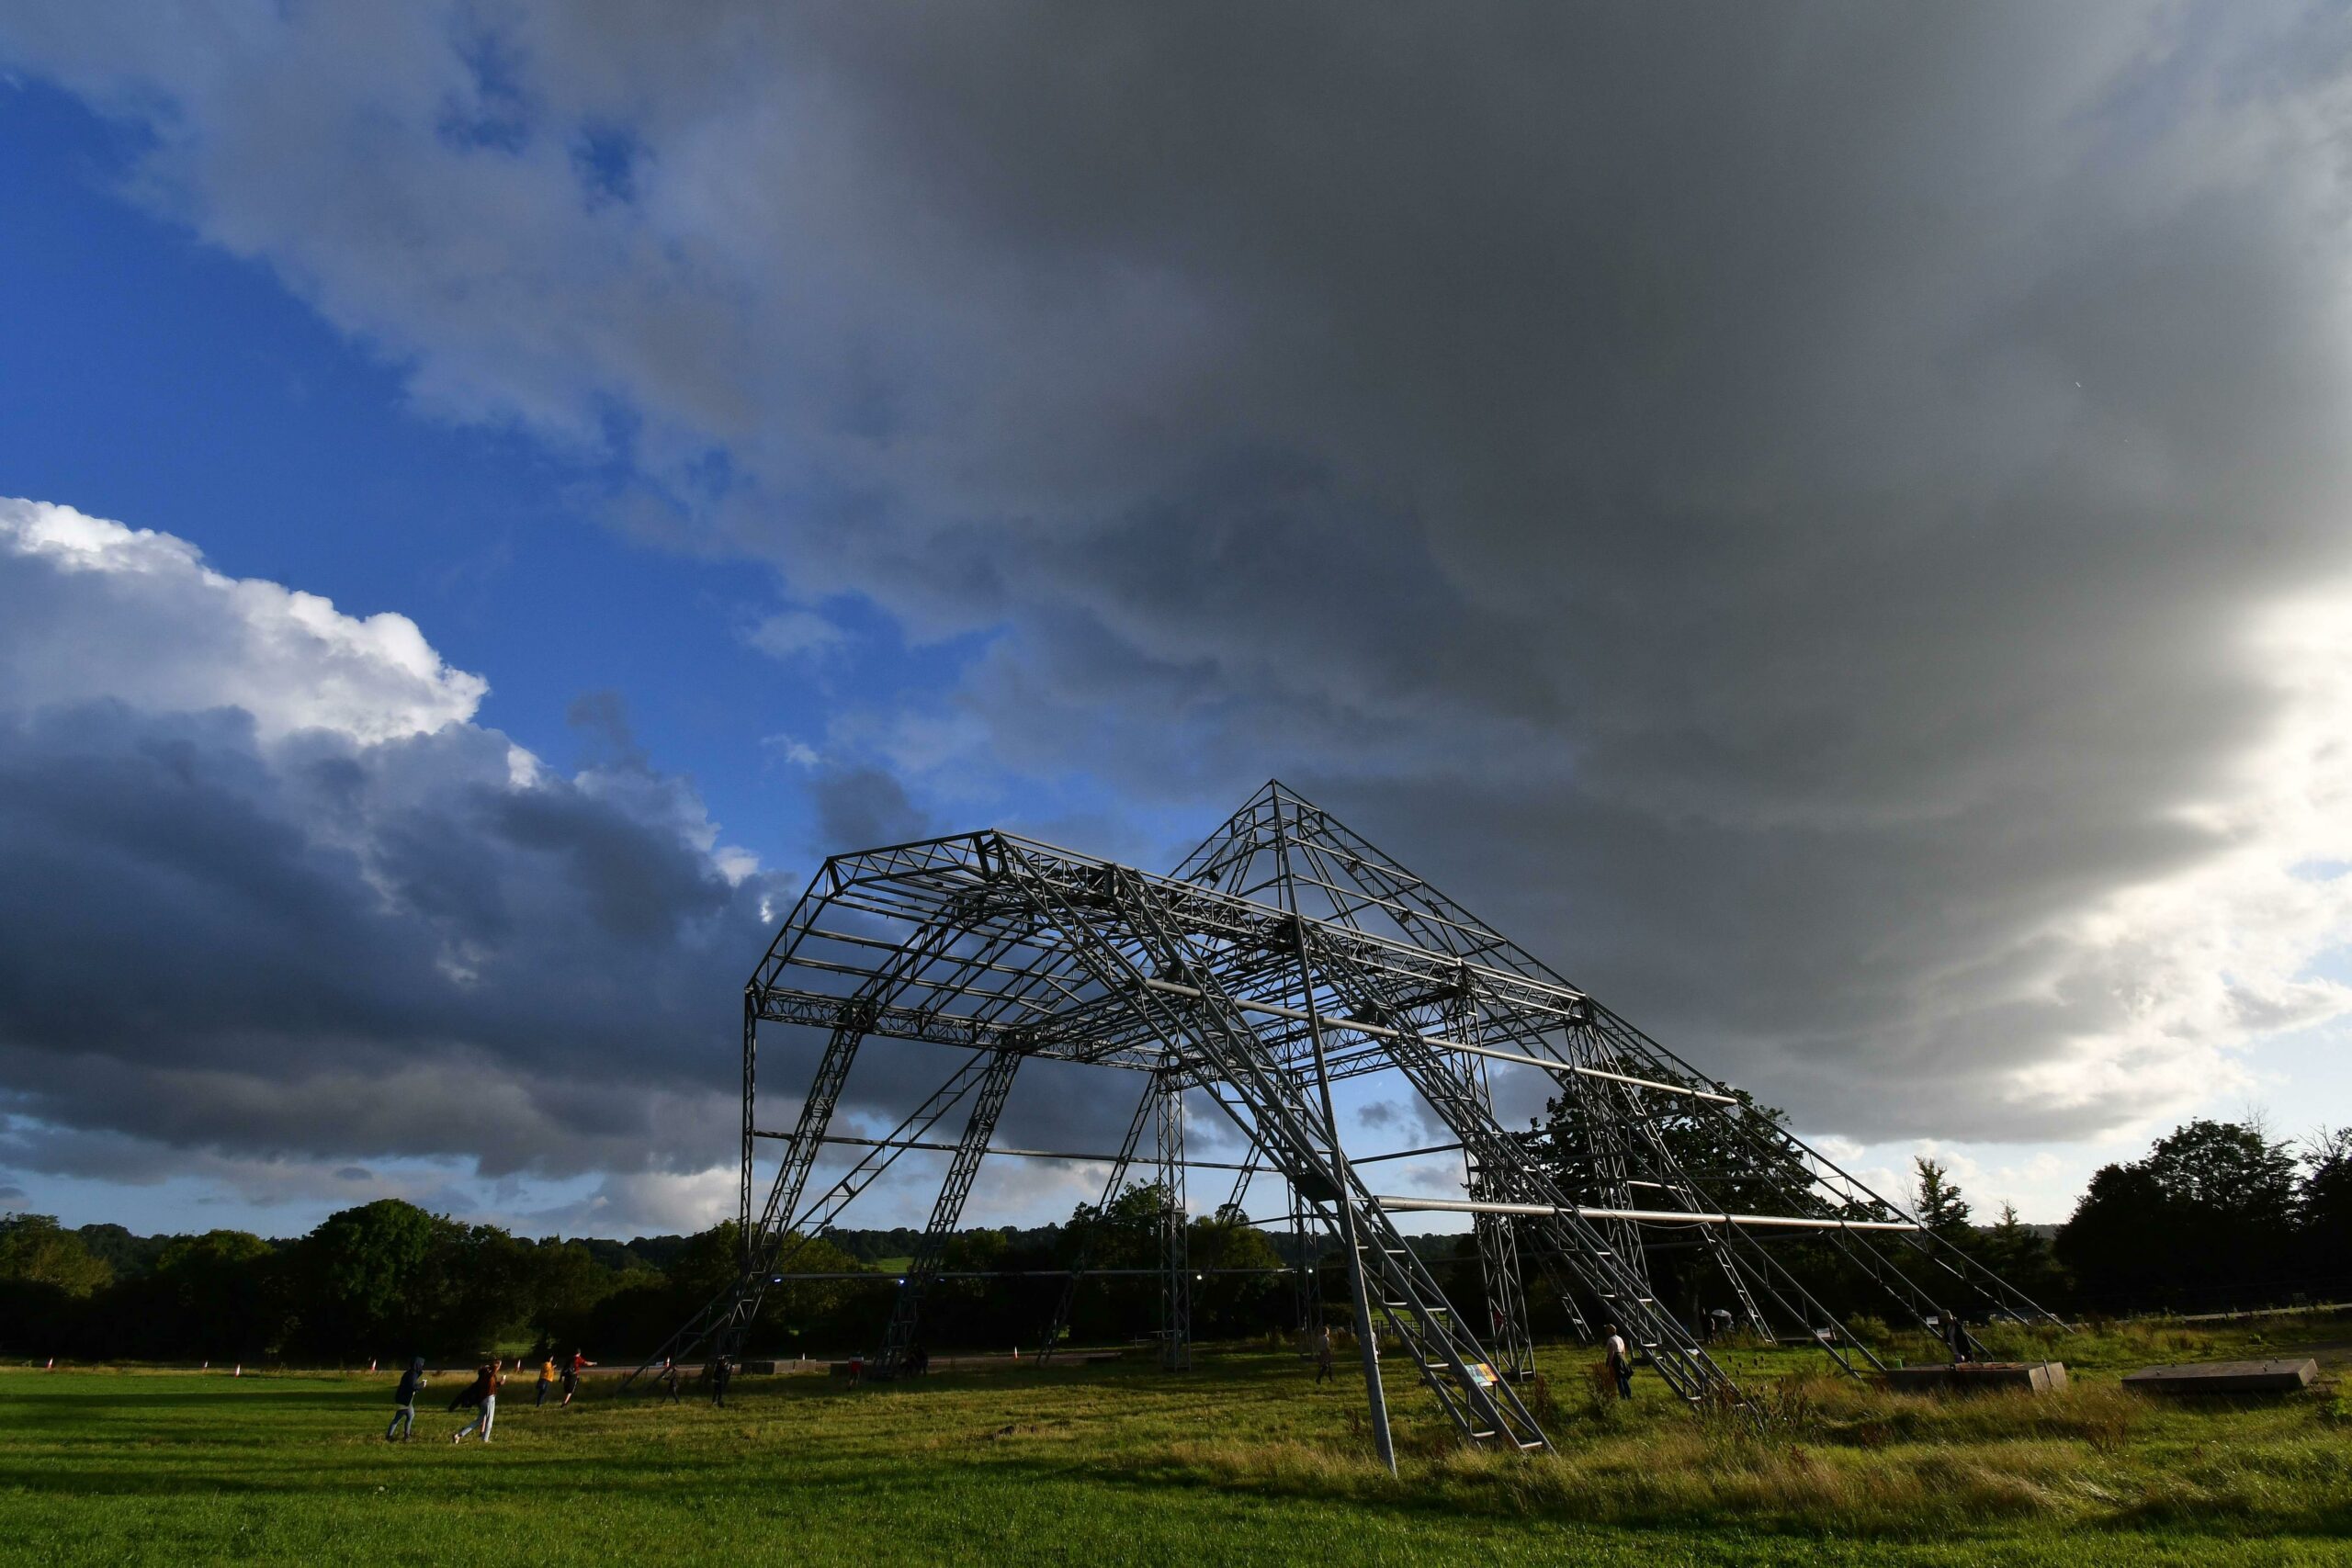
(1829, 523)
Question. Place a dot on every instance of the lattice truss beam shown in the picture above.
(1284, 955)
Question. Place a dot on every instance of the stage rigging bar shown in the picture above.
(871, 1277)
(1642, 1216)
(1088, 1159)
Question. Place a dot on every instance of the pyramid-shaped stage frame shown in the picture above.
(1282, 955)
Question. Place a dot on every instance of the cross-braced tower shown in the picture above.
(1285, 955)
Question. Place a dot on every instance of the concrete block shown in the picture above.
(2289, 1376)
(1980, 1377)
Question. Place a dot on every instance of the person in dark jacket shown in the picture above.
(404, 1400)
(722, 1372)
(470, 1395)
(484, 1393)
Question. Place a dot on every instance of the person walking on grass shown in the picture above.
(485, 1389)
(1620, 1360)
(404, 1401)
(572, 1374)
(1323, 1354)
(546, 1381)
(1957, 1333)
(722, 1372)
(668, 1378)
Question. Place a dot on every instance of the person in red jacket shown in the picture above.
(572, 1374)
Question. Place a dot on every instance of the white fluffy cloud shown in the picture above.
(135, 616)
(271, 902)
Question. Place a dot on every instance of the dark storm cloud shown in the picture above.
(863, 807)
(202, 952)
(1775, 506)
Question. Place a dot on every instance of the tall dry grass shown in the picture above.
(1825, 1451)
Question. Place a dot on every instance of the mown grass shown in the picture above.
(1242, 1461)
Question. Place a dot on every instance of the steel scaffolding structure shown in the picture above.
(1285, 955)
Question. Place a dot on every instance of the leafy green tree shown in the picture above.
(2325, 1208)
(367, 1281)
(815, 1314)
(1122, 1234)
(1234, 1303)
(2021, 1255)
(128, 1256)
(2208, 1218)
(566, 1280)
(2227, 1168)
(1937, 1201)
(217, 1295)
(2232, 1191)
(46, 1281)
(474, 1290)
(36, 1250)
(710, 1261)
(2116, 1243)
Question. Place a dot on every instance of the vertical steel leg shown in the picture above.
(751, 1061)
(1306, 1283)
(1176, 1273)
(1350, 1234)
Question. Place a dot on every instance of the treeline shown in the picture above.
(387, 1280)
(2218, 1216)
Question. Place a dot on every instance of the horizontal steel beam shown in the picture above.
(1647, 1216)
(1005, 1274)
(993, 1149)
(1403, 1154)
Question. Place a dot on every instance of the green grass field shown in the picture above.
(1240, 1460)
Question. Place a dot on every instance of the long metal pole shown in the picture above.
(751, 1057)
(1382, 1442)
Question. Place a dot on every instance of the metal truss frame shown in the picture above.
(1286, 954)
